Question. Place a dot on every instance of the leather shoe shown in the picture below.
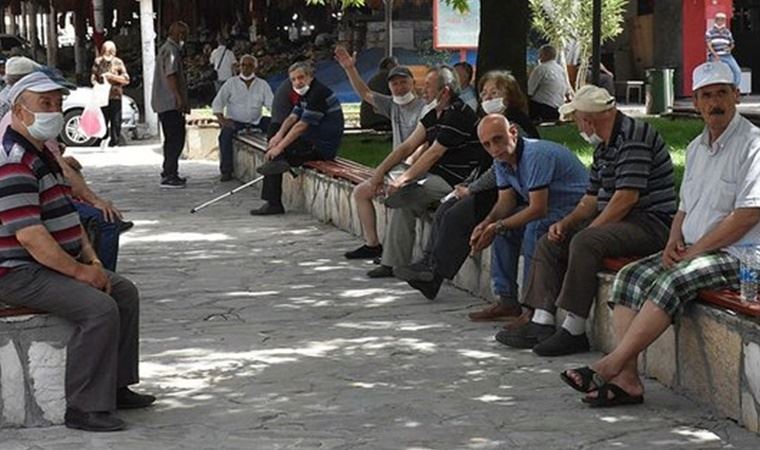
(495, 312)
(225, 177)
(268, 209)
(562, 343)
(92, 421)
(129, 399)
(527, 336)
(381, 272)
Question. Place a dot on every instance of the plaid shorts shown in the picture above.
(648, 279)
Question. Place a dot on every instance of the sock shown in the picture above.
(509, 301)
(574, 325)
(542, 317)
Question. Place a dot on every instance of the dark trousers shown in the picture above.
(563, 274)
(540, 112)
(449, 242)
(226, 137)
(107, 243)
(173, 126)
(112, 116)
(296, 154)
(102, 354)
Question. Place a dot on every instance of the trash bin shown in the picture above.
(659, 90)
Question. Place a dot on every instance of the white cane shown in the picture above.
(223, 196)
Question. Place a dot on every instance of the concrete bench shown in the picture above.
(32, 367)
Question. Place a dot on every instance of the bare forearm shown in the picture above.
(505, 205)
(171, 80)
(359, 85)
(729, 231)
(46, 251)
(425, 162)
(620, 205)
(523, 217)
(295, 132)
(585, 210)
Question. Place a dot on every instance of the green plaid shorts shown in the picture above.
(648, 279)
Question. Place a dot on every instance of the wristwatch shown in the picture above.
(500, 228)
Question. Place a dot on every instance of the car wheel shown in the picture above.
(71, 135)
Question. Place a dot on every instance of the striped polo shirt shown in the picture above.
(320, 109)
(33, 192)
(720, 38)
(636, 158)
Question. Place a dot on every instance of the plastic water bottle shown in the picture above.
(749, 273)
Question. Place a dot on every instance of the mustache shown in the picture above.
(717, 111)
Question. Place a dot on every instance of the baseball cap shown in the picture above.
(400, 71)
(709, 73)
(589, 98)
(20, 65)
(720, 15)
(34, 82)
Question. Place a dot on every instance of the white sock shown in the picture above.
(542, 317)
(574, 325)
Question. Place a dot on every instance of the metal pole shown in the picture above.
(52, 38)
(596, 42)
(388, 27)
(148, 37)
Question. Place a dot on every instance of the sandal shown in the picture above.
(590, 380)
(619, 397)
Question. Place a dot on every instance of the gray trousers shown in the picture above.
(563, 274)
(102, 354)
(400, 234)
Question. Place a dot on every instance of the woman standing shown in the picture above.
(110, 69)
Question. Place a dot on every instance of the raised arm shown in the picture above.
(348, 63)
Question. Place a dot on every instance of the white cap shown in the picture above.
(20, 65)
(34, 82)
(720, 15)
(590, 99)
(711, 73)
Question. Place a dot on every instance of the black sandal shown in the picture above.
(619, 397)
(590, 380)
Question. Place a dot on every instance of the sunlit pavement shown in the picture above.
(257, 334)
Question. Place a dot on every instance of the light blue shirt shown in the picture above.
(544, 164)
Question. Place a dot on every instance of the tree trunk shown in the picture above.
(503, 38)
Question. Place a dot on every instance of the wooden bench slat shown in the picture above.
(18, 311)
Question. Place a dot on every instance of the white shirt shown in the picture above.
(547, 84)
(720, 178)
(224, 67)
(243, 103)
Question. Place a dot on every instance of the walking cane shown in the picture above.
(223, 196)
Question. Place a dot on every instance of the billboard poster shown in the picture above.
(454, 30)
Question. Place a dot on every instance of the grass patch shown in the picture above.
(677, 133)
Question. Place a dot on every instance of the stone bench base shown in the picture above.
(32, 370)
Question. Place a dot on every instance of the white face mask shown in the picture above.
(403, 99)
(249, 77)
(301, 91)
(593, 139)
(429, 107)
(46, 126)
(493, 106)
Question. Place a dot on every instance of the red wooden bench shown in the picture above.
(10, 311)
(342, 169)
(724, 298)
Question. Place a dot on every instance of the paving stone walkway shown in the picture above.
(257, 334)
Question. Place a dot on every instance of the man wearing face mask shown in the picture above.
(47, 263)
(453, 152)
(237, 105)
(312, 131)
(627, 211)
(404, 109)
(171, 103)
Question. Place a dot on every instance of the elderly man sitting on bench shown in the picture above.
(47, 263)
(719, 211)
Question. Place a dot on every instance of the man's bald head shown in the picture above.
(498, 137)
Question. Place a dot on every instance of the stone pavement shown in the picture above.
(257, 334)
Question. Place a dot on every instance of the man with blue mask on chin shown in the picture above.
(627, 211)
(47, 263)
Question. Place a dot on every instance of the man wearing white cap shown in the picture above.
(626, 211)
(719, 210)
(47, 263)
(720, 43)
(16, 68)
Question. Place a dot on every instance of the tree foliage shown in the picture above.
(565, 21)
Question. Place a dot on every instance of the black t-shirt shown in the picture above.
(456, 130)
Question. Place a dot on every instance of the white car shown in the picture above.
(73, 106)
